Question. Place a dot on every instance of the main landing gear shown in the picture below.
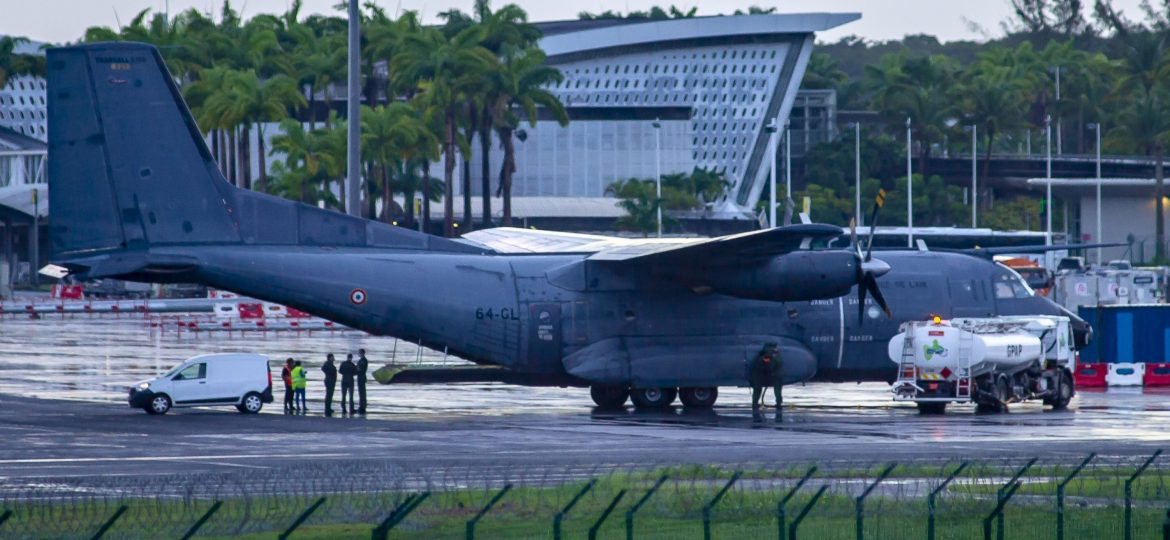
(613, 397)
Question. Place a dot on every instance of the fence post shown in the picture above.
(637, 505)
(486, 509)
(804, 512)
(999, 493)
(561, 515)
(859, 508)
(781, 516)
(934, 494)
(605, 514)
(110, 522)
(715, 501)
(1007, 495)
(1060, 495)
(382, 531)
(199, 522)
(1129, 494)
(301, 518)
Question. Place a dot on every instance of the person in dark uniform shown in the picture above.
(348, 371)
(330, 371)
(766, 369)
(363, 365)
(286, 376)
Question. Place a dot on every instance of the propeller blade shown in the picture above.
(853, 238)
(878, 203)
(871, 284)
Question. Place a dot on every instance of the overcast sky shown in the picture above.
(58, 21)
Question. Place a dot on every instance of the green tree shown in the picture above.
(392, 136)
(641, 203)
(12, 64)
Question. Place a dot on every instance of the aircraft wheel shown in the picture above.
(609, 397)
(932, 407)
(1064, 392)
(653, 398)
(698, 398)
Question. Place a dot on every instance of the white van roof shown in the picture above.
(229, 357)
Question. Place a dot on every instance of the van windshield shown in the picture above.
(174, 370)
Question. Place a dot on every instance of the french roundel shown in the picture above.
(357, 296)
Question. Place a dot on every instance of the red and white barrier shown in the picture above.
(1157, 374)
(1091, 375)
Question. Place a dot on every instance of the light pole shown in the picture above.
(857, 172)
(1048, 183)
(658, 170)
(771, 128)
(787, 172)
(1097, 239)
(974, 175)
(909, 189)
(1059, 147)
(353, 109)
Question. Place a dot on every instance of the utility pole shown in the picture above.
(788, 171)
(909, 189)
(772, 129)
(1059, 146)
(974, 176)
(658, 170)
(353, 159)
(1097, 239)
(857, 172)
(1048, 184)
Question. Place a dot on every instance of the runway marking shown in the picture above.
(163, 458)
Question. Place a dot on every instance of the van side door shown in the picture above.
(189, 386)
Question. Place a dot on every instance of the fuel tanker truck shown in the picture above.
(987, 361)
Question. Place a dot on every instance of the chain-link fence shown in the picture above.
(1084, 497)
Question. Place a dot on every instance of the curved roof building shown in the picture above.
(675, 94)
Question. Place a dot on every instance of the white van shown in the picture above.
(236, 379)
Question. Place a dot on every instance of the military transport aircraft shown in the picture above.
(136, 194)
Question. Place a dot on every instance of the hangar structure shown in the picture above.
(675, 94)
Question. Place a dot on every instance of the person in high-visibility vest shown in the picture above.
(300, 380)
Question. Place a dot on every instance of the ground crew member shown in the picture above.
(330, 371)
(348, 371)
(286, 376)
(777, 377)
(765, 370)
(300, 380)
(362, 366)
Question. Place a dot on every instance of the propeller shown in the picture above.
(868, 268)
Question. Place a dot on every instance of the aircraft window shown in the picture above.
(193, 371)
(1003, 289)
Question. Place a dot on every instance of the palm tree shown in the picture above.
(991, 98)
(393, 134)
(1145, 124)
(446, 71)
(520, 82)
(261, 102)
(916, 88)
(17, 64)
(639, 200)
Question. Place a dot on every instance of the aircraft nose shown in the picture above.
(877, 267)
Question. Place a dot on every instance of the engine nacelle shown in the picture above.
(796, 276)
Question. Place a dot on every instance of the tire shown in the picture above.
(698, 398)
(609, 397)
(1064, 392)
(932, 407)
(653, 398)
(159, 404)
(997, 386)
(251, 404)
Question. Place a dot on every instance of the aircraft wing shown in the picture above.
(1011, 250)
(752, 245)
(516, 240)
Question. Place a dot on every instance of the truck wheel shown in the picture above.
(996, 402)
(1064, 392)
(609, 397)
(251, 404)
(698, 398)
(932, 407)
(159, 404)
(653, 398)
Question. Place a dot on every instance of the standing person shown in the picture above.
(286, 376)
(760, 374)
(330, 370)
(348, 370)
(777, 376)
(362, 366)
(300, 380)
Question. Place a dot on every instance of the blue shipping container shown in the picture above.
(1128, 333)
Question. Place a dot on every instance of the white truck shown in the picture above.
(987, 361)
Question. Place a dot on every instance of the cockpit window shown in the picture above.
(1011, 285)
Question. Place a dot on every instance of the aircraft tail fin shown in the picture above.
(129, 170)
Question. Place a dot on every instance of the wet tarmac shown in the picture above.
(80, 426)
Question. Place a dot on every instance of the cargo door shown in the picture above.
(544, 337)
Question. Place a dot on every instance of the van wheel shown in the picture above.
(159, 404)
(251, 404)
